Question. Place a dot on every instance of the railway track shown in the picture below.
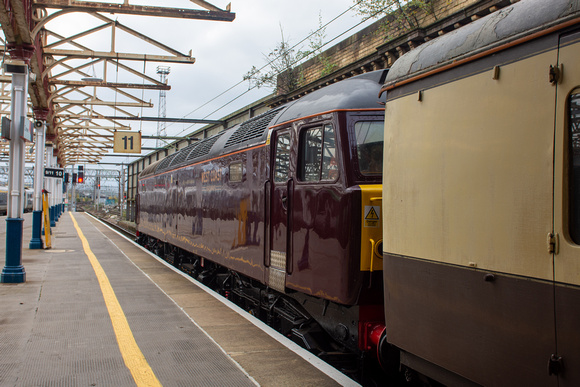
(125, 231)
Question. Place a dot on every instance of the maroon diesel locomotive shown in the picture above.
(282, 215)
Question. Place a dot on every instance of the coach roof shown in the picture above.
(501, 27)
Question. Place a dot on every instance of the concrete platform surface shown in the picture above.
(59, 328)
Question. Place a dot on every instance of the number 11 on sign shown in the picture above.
(127, 142)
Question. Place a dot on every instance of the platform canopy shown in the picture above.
(85, 84)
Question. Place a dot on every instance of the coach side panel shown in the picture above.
(468, 178)
(567, 209)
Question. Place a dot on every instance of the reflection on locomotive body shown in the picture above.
(270, 213)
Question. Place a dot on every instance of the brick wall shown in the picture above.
(381, 43)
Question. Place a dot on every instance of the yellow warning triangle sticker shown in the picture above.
(372, 214)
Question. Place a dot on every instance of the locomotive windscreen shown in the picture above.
(369, 145)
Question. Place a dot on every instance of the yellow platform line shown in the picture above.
(132, 355)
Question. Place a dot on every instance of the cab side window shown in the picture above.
(317, 158)
(282, 163)
(574, 165)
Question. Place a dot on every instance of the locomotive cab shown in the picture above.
(325, 204)
(325, 187)
(323, 213)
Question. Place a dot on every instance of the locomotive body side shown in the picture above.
(287, 209)
(481, 275)
(212, 208)
(218, 209)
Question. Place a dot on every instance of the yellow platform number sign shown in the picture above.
(127, 142)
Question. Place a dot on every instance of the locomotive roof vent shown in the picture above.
(164, 164)
(182, 154)
(150, 169)
(253, 128)
(203, 147)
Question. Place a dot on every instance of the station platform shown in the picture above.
(98, 310)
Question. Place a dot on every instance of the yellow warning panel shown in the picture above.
(371, 235)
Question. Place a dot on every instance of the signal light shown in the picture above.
(81, 175)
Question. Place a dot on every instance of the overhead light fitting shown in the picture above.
(92, 79)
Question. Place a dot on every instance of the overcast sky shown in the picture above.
(224, 51)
